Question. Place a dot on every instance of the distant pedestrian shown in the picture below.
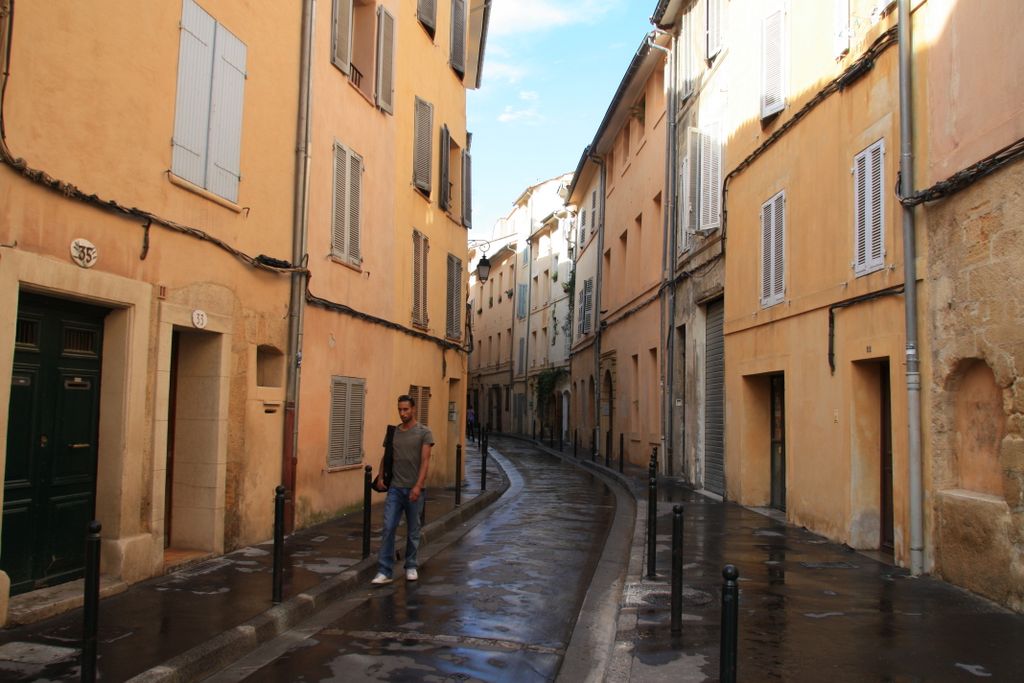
(470, 420)
(412, 444)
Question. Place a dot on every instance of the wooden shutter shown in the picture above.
(869, 209)
(521, 301)
(710, 207)
(384, 92)
(426, 12)
(453, 326)
(467, 189)
(713, 28)
(422, 152)
(458, 46)
(773, 213)
(345, 438)
(192, 106)
(355, 193)
(341, 55)
(593, 211)
(588, 304)
(419, 278)
(346, 221)
(772, 64)
(444, 189)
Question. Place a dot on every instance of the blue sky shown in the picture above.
(550, 70)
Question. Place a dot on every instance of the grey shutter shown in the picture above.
(772, 64)
(588, 304)
(467, 189)
(354, 432)
(714, 399)
(580, 308)
(422, 152)
(192, 107)
(338, 419)
(444, 189)
(773, 213)
(339, 232)
(779, 248)
(454, 318)
(341, 55)
(869, 209)
(421, 395)
(385, 82)
(458, 46)
(766, 253)
(521, 301)
(355, 193)
(684, 58)
(227, 96)
(713, 27)
(345, 437)
(593, 211)
(521, 365)
(710, 179)
(426, 12)
(419, 278)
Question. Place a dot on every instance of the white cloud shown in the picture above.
(512, 114)
(503, 71)
(529, 95)
(522, 16)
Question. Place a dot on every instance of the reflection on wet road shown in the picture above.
(497, 605)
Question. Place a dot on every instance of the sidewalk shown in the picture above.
(190, 623)
(809, 609)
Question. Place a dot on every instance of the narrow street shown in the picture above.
(500, 604)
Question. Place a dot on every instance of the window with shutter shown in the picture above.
(453, 326)
(841, 31)
(521, 295)
(444, 190)
(421, 395)
(684, 59)
(710, 215)
(593, 211)
(346, 220)
(467, 189)
(458, 46)
(773, 230)
(422, 145)
(420, 249)
(208, 109)
(345, 438)
(384, 93)
(588, 304)
(341, 55)
(773, 67)
(713, 28)
(869, 209)
(426, 12)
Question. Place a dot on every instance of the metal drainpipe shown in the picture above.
(597, 305)
(298, 280)
(668, 248)
(529, 305)
(910, 296)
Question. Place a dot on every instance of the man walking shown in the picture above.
(412, 444)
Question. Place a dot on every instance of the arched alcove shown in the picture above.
(980, 427)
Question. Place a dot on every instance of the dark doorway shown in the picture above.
(778, 441)
(886, 532)
(52, 441)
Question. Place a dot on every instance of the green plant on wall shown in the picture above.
(547, 380)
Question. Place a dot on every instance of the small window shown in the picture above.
(713, 28)
(585, 307)
(423, 146)
(773, 64)
(841, 31)
(869, 209)
(458, 47)
(80, 341)
(26, 334)
(346, 221)
(426, 12)
(773, 231)
(345, 440)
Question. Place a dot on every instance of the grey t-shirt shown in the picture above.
(408, 448)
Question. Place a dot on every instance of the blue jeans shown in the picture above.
(396, 503)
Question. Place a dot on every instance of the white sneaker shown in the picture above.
(381, 579)
(412, 575)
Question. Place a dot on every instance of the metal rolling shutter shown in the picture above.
(714, 393)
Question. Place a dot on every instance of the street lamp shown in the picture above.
(483, 266)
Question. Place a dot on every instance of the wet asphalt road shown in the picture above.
(497, 605)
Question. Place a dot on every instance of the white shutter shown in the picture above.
(772, 64)
(684, 59)
(227, 95)
(422, 152)
(444, 189)
(341, 55)
(458, 46)
(384, 93)
(192, 107)
(710, 215)
(713, 27)
(841, 29)
(426, 12)
(869, 209)
(773, 221)
(467, 189)
(453, 326)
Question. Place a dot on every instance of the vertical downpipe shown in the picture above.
(597, 303)
(910, 296)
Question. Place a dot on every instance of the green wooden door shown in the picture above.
(52, 434)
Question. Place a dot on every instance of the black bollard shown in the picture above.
(278, 542)
(91, 608)
(622, 452)
(653, 466)
(730, 622)
(483, 464)
(458, 475)
(533, 430)
(677, 569)
(652, 526)
(593, 447)
(367, 482)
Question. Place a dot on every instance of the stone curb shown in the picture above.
(218, 652)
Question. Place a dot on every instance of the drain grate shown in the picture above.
(829, 565)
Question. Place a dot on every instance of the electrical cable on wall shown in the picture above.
(966, 177)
